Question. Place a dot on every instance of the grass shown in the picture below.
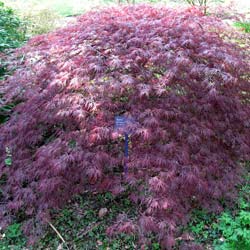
(70, 8)
(60, 7)
(76, 7)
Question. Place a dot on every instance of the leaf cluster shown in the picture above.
(12, 238)
(12, 30)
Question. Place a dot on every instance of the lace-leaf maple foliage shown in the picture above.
(178, 75)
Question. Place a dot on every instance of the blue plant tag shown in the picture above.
(126, 125)
(120, 122)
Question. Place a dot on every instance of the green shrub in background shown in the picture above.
(39, 20)
(245, 26)
(12, 29)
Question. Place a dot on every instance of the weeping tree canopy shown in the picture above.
(174, 72)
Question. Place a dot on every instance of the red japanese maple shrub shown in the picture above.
(174, 72)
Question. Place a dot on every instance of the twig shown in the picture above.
(89, 229)
(59, 235)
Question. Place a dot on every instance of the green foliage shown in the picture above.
(12, 30)
(2, 72)
(5, 111)
(8, 160)
(82, 228)
(228, 231)
(12, 238)
(156, 246)
(203, 226)
(39, 20)
(245, 26)
(235, 228)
